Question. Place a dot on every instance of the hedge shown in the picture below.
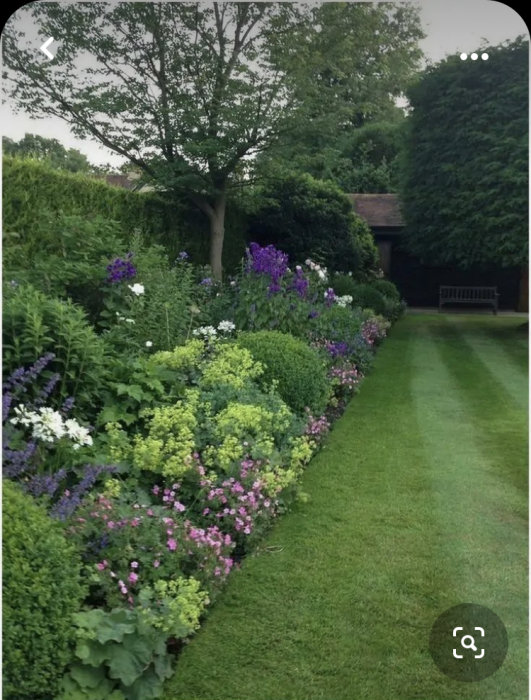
(31, 187)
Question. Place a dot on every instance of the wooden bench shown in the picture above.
(469, 295)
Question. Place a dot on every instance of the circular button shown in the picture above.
(468, 642)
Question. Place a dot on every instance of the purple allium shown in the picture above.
(121, 269)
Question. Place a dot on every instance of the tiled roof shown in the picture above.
(379, 210)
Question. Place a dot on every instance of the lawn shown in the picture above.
(417, 502)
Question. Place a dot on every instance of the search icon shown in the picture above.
(472, 644)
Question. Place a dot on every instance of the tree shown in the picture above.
(362, 57)
(184, 91)
(465, 184)
(191, 93)
(50, 150)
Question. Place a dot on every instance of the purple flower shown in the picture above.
(267, 261)
(70, 500)
(183, 255)
(206, 282)
(120, 269)
(329, 296)
(300, 284)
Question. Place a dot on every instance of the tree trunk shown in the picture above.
(217, 232)
(523, 291)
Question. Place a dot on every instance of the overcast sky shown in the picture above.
(451, 26)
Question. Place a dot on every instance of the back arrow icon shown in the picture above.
(44, 48)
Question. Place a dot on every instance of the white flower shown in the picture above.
(226, 326)
(129, 320)
(78, 433)
(121, 318)
(23, 416)
(350, 273)
(149, 344)
(233, 283)
(322, 274)
(345, 300)
(205, 331)
(136, 288)
(53, 421)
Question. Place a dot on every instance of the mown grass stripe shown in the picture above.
(500, 420)
(506, 359)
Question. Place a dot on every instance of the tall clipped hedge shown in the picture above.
(31, 187)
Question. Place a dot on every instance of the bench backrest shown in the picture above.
(467, 293)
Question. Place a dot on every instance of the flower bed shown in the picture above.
(206, 417)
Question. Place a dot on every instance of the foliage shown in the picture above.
(387, 288)
(344, 284)
(35, 324)
(134, 384)
(192, 133)
(360, 57)
(41, 590)
(121, 657)
(31, 189)
(66, 259)
(132, 543)
(470, 118)
(368, 297)
(298, 370)
(311, 218)
(152, 306)
(360, 159)
(49, 150)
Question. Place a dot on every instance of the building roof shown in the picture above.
(379, 210)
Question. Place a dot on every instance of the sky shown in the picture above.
(451, 26)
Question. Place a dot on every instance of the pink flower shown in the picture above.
(110, 524)
(172, 544)
(134, 565)
(156, 563)
(179, 506)
(133, 578)
(149, 511)
(156, 490)
(102, 564)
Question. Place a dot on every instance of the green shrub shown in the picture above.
(387, 288)
(367, 297)
(35, 324)
(299, 370)
(343, 284)
(310, 218)
(41, 592)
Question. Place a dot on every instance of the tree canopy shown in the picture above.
(49, 150)
(465, 179)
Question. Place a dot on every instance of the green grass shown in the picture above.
(417, 502)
